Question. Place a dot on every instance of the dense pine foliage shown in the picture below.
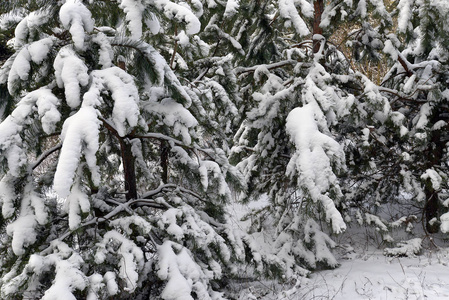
(129, 129)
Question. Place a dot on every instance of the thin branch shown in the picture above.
(44, 155)
(240, 70)
(403, 96)
(164, 137)
(301, 44)
(405, 64)
(150, 203)
(92, 221)
(199, 78)
(160, 136)
(111, 128)
(139, 202)
(171, 186)
(175, 50)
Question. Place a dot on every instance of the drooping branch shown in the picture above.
(164, 138)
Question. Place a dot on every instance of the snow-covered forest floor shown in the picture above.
(365, 273)
(368, 275)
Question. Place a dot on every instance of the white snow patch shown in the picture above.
(78, 20)
(133, 10)
(71, 73)
(181, 14)
(288, 11)
(312, 159)
(79, 136)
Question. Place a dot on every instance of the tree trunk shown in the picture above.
(435, 154)
(128, 169)
(431, 208)
(318, 6)
(164, 161)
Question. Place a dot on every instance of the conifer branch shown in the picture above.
(241, 70)
(199, 78)
(173, 187)
(163, 137)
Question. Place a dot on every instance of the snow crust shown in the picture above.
(125, 113)
(76, 204)
(35, 52)
(20, 69)
(22, 232)
(182, 273)
(232, 7)
(312, 159)
(133, 10)
(78, 20)
(180, 13)
(32, 212)
(46, 104)
(288, 10)
(153, 24)
(79, 136)
(404, 9)
(27, 26)
(435, 178)
(106, 52)
(131, 259)
(175, 115)
(71, 74)
(7, 197)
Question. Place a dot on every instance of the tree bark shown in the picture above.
(318, 6)
(128, 169)
(164, 161)
(435, 154)
(431, 209)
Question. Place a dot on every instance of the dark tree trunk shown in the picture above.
(164, 161)
(431, 208)
(434, 155)
(128, 168)
(318, 6)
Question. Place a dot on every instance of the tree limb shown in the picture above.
(44, 155)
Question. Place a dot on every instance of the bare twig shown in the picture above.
(44, 155)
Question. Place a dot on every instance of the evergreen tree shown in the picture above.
(113, 182)
(312, 113)
(412, 159)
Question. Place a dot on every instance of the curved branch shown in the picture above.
(163, 137)
(173, 187)
(45, 155)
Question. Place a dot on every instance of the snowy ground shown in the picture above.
(365, 273)
(374, 276)
(368, 276)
